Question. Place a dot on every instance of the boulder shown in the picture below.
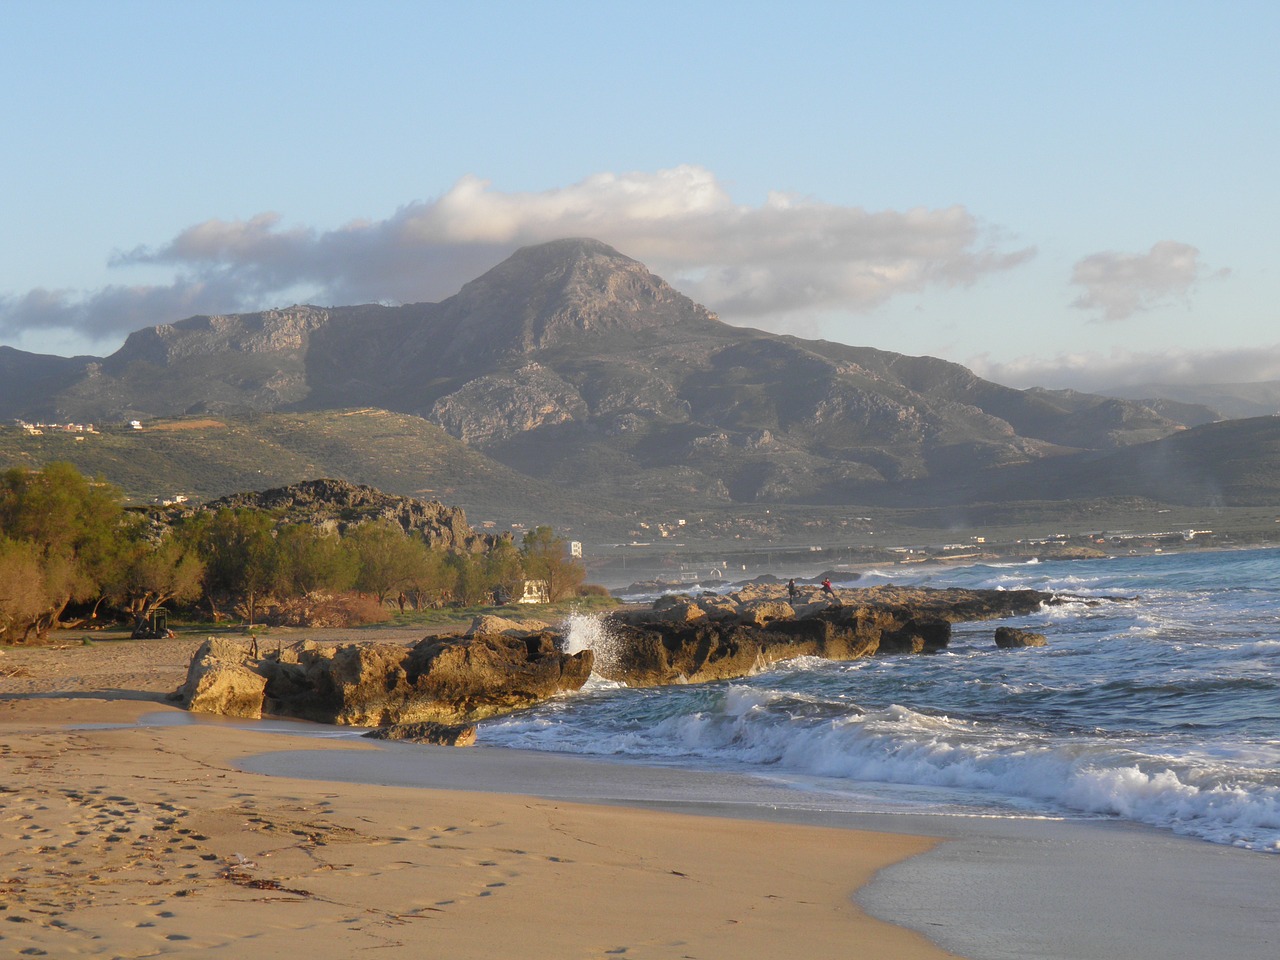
(917, 635)
(753, 593)
(686, 612)
(657, 654)
(221, 679)
(493, 673)
(717, 606)
(1011, 638)
(488, 623)
(431, 733)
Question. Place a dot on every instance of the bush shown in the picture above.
(327, 610)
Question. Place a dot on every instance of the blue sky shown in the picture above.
(1058, 194)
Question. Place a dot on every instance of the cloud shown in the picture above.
(1089, 371)
(769, 263)
(111, 310)
(1118, 285)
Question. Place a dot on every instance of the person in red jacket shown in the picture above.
(831, 594)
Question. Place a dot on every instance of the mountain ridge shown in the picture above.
(571, 363)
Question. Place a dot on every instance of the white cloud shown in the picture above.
(1089, 371)
(1118, 285)
(765, 264)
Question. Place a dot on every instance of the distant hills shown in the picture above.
(1228, 401)
(572, 377)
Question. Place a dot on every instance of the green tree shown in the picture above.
(312, 561)
(22, 589)
(71, 525)
(389, 560)
(432, 579)
(504, 569)
(471, 584)
(149, 575)
(241, 560)
(546, 557)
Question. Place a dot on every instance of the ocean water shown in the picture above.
(1162, 708)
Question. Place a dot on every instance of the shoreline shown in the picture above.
(128, 820)
(989, 888)
(129, 839)
(980, 888)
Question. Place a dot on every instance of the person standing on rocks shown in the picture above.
(830, 592)
(792, 592)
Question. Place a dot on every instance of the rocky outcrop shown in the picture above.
(1011, 638)
(443, 680)
(221, 679)
(495, 408)
(488, 623)
(670, 644)
(658, 653)
(501, 666)
(342, 505)
(436, 734)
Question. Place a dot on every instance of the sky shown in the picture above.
(1059, 194)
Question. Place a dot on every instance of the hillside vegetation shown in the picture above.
(206, 457)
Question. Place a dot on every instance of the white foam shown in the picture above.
(584, 631)
(813, 737)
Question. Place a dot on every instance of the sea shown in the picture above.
(1156, 701)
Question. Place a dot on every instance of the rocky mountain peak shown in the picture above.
(553, 292)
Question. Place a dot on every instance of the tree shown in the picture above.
(239, 551)
(546, 557)
(312, 560)
(431, 578)
(149, 575)
(504, 569)
(71, 525)
(471, 585)
(22, 590)
(388, 559)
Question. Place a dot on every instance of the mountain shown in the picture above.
(1221, 400)
(572, 366)
(30, 382)
(1229, 463)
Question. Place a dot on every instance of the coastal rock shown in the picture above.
(500, 666)
(659, 654)
(651, 648)
(445, 680)
(1010, 638)
(430, 733)
(653, 653)
(762, 612)
(683, 612)
(917, 635)
(221, 680)
(488, 623)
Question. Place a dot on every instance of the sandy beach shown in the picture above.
(123, 839)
